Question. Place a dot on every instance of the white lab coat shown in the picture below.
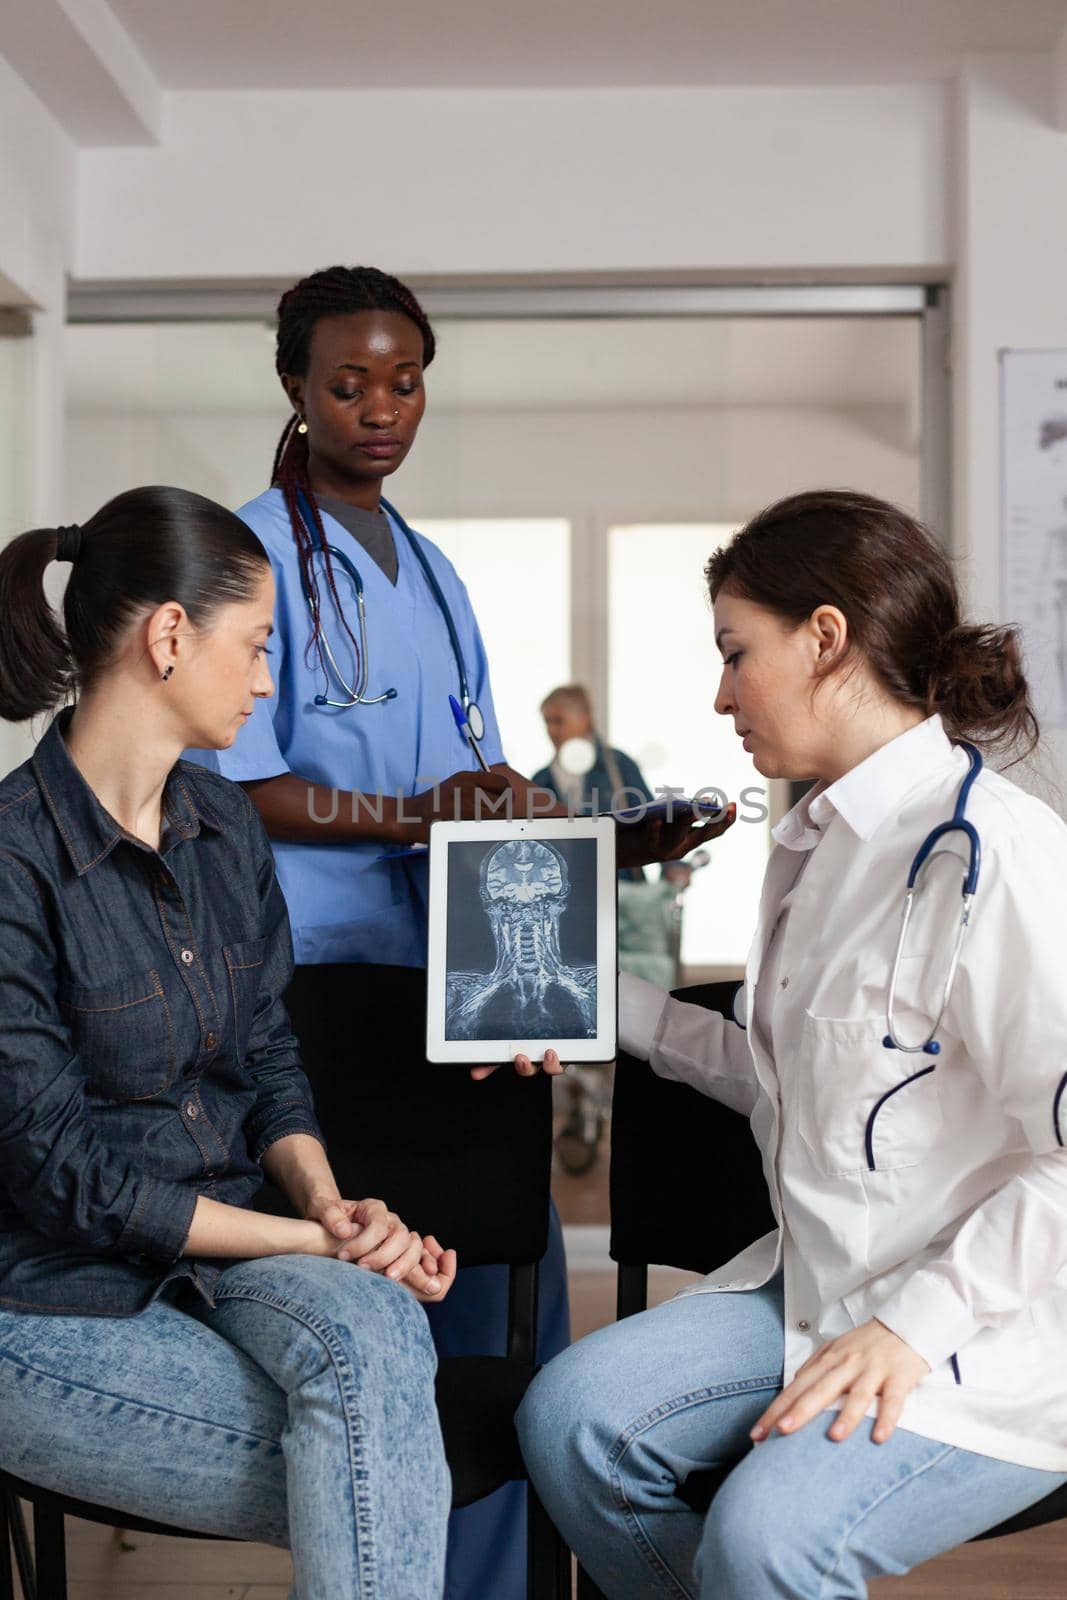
(956, 1238)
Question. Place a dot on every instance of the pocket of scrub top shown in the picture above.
(124, 1036)
(244, 968)
(861, 1107)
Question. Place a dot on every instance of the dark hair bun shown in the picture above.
(979, 684)
(896, 587)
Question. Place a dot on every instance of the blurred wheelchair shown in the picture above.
(650, 945)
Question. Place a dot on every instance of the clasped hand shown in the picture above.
(868, 1363)
(367, 1233)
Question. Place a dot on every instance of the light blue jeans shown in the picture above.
(299, 1412)
(612, 1426)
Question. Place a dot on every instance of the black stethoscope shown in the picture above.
(357, 693)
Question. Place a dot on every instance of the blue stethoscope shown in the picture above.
(357, 693)
(957, 824)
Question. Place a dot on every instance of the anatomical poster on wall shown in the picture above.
(1033, 401)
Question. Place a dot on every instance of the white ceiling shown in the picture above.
(644, 363)
(309, 44)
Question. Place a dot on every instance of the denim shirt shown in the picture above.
(146, 1057)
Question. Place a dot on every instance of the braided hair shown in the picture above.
(333, 292)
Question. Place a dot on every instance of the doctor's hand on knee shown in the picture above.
(868, 1364)
(525, 1067)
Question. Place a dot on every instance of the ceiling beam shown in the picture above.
(86, 70)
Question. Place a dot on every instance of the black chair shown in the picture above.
(468, 1162)
(700, 1156)
(42, 1560)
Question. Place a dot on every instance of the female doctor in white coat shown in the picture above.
(884, 1373)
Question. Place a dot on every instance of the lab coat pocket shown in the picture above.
(124, 1036)
(861, 1107)
(1006, 1360)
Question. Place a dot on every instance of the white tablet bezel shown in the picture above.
(475, 1051)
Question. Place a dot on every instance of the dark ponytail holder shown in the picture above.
(68, 542)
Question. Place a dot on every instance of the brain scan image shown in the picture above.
(529, 991)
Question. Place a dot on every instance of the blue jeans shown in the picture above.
(298, 1412)
(487, 1540)
(614, 1425)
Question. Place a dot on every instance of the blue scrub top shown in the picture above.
(345, 903)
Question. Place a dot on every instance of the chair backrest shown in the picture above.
(469, 1162)
(687, 1185)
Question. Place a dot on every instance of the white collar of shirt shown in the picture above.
(869, 793)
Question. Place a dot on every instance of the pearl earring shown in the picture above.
(302, 427)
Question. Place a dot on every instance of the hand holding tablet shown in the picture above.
(657, 839)
(552, 1066)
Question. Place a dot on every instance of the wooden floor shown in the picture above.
(1030, 1566)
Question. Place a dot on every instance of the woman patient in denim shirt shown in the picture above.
(165, 1350)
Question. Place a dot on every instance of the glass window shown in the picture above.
(663, 675)
(528, 643)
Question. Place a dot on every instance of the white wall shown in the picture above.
(706, 465)
(37, 191)
(38, 175)
(38, 179)
(886, 181)
(274, 184)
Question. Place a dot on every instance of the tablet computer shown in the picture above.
(522, 940)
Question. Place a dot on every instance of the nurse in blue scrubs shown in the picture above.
(342, 763)
(358, 752)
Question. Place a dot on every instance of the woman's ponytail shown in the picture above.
(978, 685)
(143, 548)
(36, 667)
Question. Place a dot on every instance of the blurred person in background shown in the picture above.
(586, 772)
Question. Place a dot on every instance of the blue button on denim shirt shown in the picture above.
(146, 1056)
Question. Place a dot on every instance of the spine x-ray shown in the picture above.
(522, 930)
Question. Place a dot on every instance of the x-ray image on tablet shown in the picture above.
(522, 940)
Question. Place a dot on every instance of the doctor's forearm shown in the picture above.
(311, 813)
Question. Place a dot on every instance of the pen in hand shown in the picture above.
(467, 732)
